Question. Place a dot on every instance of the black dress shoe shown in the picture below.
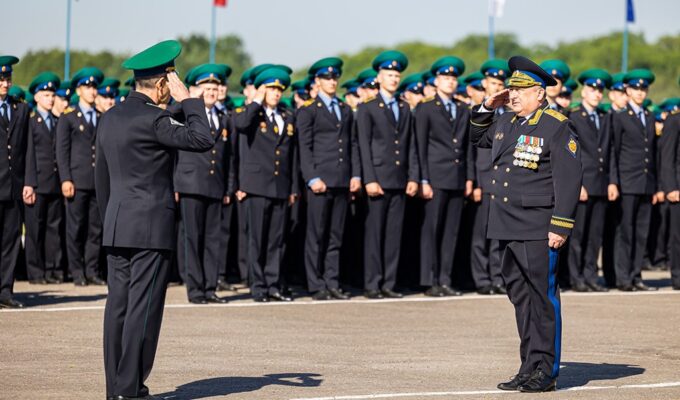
(338, 294)
(80, 282)
(538, 382)
(580, 287)
(626, 288)
(213, 298)
(279, 297)
(373, 294)
(225, 286)
(321, 295)
(261, 299)
(449, 291)
(52, 280)
(96, 281)
(434, 291)
(41, 281)
(391, 294)
(514, 382)
(11, 303)
(639, 285)
(596, 287)
(676, 287)
(500, 289)
(198, 300)
(486, 290)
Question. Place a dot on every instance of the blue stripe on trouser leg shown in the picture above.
(552, 290)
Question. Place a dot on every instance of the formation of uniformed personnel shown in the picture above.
(593, 127)
(268, 179)
(390, 171)
(537, 173)
(14, 117)
(329, 160)
(560, 72)
(634, 174)
(76, 158)
(44, 211)
(446, 175)
(203, 185)
(134, 177)
(669, 183)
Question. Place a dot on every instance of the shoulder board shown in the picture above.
(370, 99)
(555, 114)
(308, 103)
(155, 105)
(427, 99)
(674, 112)
(68, 110)
(239, 110)
(32, 114)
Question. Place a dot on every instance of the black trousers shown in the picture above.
(657, 242)
(242, 239)
(586, 239)
(485, 256)
(10, 240)
(83, 235)
(137, 281)
(439, 237)
(611, 221)
(631, 237)
(530, 273)
(225, 236)
(43, 236)
(200, 246)
(326, 213)
(674, 242)
(382, 242)
(266, 227)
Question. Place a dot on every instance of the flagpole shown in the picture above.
(67, 52)
(212, 34)
(491, 49)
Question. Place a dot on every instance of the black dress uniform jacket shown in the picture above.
(13, 143)
(388, 149)
(670, 154)
(529, 203)
(209, 173)
(137, 202)
(634, 152)
(596, 149)
(444, 149)
(76, 148)
(41, 162)
(328, 149)
(268, 161)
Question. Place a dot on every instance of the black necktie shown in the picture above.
(334, 110)
(90, 119)
(48, 122)
(596, 121)
(641, 115)
(212, 122)
(3, 114)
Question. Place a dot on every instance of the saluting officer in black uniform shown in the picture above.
(136, 142)
(446, 175)
(593, 127)
(76, 157)
(268, 179)
(537, 174)
(330, 166)
(13, 141)
(390, 167)
(202, 186)
(45, 215)
(634, 174)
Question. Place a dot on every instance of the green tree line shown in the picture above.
(661, 56)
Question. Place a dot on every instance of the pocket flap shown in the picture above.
(537, 200)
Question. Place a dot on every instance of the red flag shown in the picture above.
(220, 3)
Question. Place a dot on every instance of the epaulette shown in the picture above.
(427, 99)
(154, 105)
(370, 99)
(68, 110)
(556, 114)
(308, 102)
(239, 110)
(675, 111)
(32, 114)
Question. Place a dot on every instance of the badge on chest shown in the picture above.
(528, 152)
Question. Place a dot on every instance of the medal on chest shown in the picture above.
(528, 152)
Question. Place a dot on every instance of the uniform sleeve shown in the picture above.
(565, 162)
(295, 172)
(305, 128)
(31, 172)
(245, 119)
(616, 134)
(354, 147)
(232, 159)
(668, 155)
(480, 122)
(413, 163)
(471, 172)
(192, 135)
(102, 182)
(63, 149)
(422, 133)
(365, 134)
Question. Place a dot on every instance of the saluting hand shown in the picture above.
(555, 240)
(178, 91)
(497, 100)
(259, 95)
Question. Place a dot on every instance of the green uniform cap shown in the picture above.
(617, 82)
(367, 77)
(496, 68)
(45, 81)
(205, 73)
(16, 93)
(326, 67)
(155, 60)
(557, 68)
(275, 76)
(670, 104)
(448, 65)
(225, 70)
(413, 83)
(300, 86)
(90, 76)
(6, 63)
(475, 79)
(595, 77)
(390, 59)
(639, 78)
(123, 92)
(109, 87)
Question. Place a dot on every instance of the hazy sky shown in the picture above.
(297, 32)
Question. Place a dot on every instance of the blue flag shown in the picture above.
(630, 13)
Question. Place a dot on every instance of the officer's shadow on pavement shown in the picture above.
(575, 374)
(48, 297)
(227, 385)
